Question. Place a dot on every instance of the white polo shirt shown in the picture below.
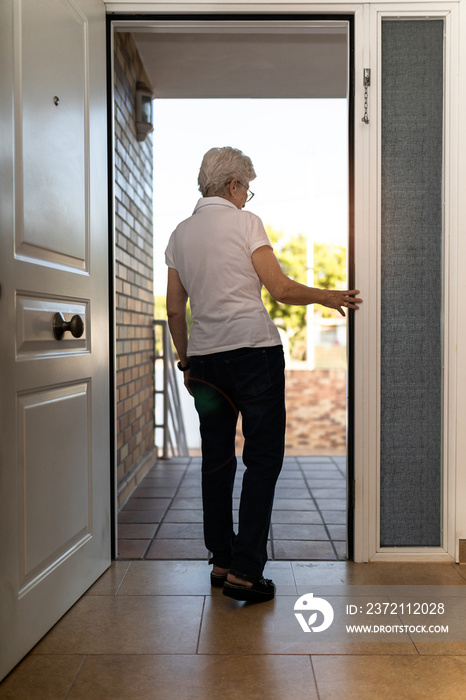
(211, 252)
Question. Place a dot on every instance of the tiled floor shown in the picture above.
(163, 518)
(155, 630)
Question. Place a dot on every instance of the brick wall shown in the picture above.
(315, 413)
(134, 276)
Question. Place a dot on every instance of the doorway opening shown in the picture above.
(299, 149)
(296, 134)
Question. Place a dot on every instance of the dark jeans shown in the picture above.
(250, 381)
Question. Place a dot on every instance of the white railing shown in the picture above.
(174, 434)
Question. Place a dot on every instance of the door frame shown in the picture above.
(131, 22)
(451, 487)
(368, 264)
(365, 336)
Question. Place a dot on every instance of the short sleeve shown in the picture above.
(257, 235)
(169, 257)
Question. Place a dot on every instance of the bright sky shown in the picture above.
(299, 150)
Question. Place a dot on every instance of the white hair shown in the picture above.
(219, 166)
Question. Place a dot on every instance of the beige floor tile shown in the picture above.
(191, 578)
(195, 678)
(41, 678)
(390, 677)
(425, 619)
(461, 569)
(282, 573)
(308, 575)
(441, 649)
(382, 574)
(127, 625)
(110, 581)
(272, 628)
(167, 578)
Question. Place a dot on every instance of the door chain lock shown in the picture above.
(366, 84)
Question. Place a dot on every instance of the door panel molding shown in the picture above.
(58, 95)
(34, 326)
(53, 422)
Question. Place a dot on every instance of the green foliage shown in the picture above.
(291, 253)
(329, 273)
(160, 314)
(329, 266)
(160, 308)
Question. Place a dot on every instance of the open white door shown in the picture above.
(54, 435)
(408, 480)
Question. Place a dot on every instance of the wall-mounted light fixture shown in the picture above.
(144, 123)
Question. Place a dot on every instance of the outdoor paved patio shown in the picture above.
(163, 517)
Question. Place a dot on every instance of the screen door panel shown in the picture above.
(411, 282)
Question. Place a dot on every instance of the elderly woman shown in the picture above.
(233, 362)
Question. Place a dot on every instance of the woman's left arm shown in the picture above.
(177, 297)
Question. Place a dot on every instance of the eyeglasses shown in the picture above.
(250, 194)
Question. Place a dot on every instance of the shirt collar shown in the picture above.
(212, 201)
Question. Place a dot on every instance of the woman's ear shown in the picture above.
(232, 188)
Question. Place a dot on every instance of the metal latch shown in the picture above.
(366, 83)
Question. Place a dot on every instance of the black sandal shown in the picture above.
(217, 580)
(262, 589)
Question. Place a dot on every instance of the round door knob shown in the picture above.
(60, 326)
